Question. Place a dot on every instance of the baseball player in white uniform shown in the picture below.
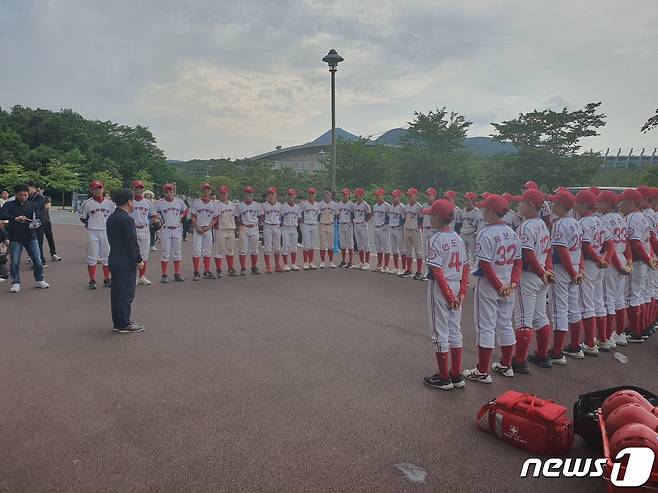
(446, 290)
(654, 246)
(225, 232)
(427, 231)
(94, 213)
(650, 285)
(512, 218)
(595, 244)
(530, 297)
(498, 252)
(471, 223)
(456, 224)
(143, 214)
(380, 212)
(271, 213)
(247, 216)
(171, 210)
(566, 241)
(615, 275)
(204, 217)
(345, 213)
(327, 219)
(310, 211)
(396, 233)
(290, 217)
(362, 214)
(412, 236)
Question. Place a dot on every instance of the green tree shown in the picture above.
(63, 177)
(651, 123)
(111, 181)
(12, 174)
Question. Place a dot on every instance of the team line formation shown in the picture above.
(589, 258)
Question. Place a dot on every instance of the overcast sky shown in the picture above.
(213, 78)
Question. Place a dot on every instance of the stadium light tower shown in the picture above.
(333, 59)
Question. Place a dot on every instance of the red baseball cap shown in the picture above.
(565, 198)
(530, 185)
(396, 193)
(645, 191)
(96, 184)
(380, 192)
(223, 189)
(359, 191)
(497, 203)
(249, 189)
(204, 186)
(470, 196)
(654, 193)
(508, 196)
(411, 191)
(271, 190)
(451, 194)
(586, 197)
(595, 190)
(608, 196)
(292, 191)
(310, 190)
(532, 195)
(442, 208)
(168, 187)
(138, 184)
(430, 191)
(346, 191)
(631, 195)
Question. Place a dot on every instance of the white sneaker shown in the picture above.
(365, 267)
(477, 376)
(321, 265)
(15, 288)
(356, 266)
(311, 265)
(143, 281)
(392, 271)
(294, 267)
(611, 342)
(603, 346)
(620, 339)
(42, 285)
(306, 267)
(153, 249)
(400, 272)
(575, 353)
(286, 268)
(505, 371)
(332, 265)
(589, 350)
(2, 279)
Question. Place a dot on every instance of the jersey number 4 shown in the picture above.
(455, 262)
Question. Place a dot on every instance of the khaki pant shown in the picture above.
(224, 242)
(326, 236)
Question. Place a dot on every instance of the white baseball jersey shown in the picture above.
(638, 229)
(458, 216)
(345, 211)
(411, 213)
(248, 213)
(616, 227)
(498, 245)
(310, 212)
(205, 212)
(290, 214)
(380, 213)
(650, 218)
(512, 219)
(395, 215)
(566, 232)
(142, 213)
(472, 221)
(226, 213)
(271, 213)
(446, 251)
(534, 236)
(327, 211)
(361, 210)
(425, 221)
(171, 212)
(94, 214)
(594, 232)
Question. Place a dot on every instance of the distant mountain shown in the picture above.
(392, 137)
(325, 138)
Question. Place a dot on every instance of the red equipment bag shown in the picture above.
(528, 422)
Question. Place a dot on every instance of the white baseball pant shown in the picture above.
(397, 240)
(636, 283)
(346, 236)
(493, 316)
(382, 239)
(326, 236)
(614, 283)
(565, 307)
(647, 290)
(202, 244)
(361, 237)
(591, 299)
(224, 242)
(271, 238)
(412, 244)
(309, 236)
(144, 242)
(248, 240)
(445, 324)
(289, 237)
(171, 244)
(469, 244)
(530, 302)
(98, 248)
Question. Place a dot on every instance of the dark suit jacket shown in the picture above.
(122, 236)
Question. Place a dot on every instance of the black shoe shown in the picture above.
(418, 276)
(196, 276)
(406, 274)
(436, 382)
(543, 362)
(133, 327)
(107, 283)
(92, 284)
(178, 278)
(209, 275)
(348, 265)
(254, 270)
(520, 367)
(218, 274)
(647, 333)
(243, 272)
(635, 340)
(232, 273)
(341, 265)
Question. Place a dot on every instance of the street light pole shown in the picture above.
(332, 59)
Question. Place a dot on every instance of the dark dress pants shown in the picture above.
(122, 294)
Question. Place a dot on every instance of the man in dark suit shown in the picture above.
(124, 260)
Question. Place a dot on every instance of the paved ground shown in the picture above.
(306, 381)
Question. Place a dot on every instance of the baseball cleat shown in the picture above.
(477, 376)
(332, 265)
(306, 267)
(520, 366)
(294, 267)
(107, 283)
(355, 266)
(393, 271)
(15, 288)
(457, 381)
(418, 276)
(178, 278)
(611, 343)
(133, 327)
(505, 371)
(286, 268)
(636, 339)
(603, 346)
(153, 249)
(164, 279)
(42, 284)
(589, 350)
(196, 276)
(558, 360)
(575, 353)
(243, 272)
(342, 264)
(92, 284)
(143, 281)
(55, 258)
(620, 339)
(254, 270)
(209, 275)
(406, 274)
(543, 362)
(349, 265)
(365, 267)
(232, 273)
(218, 274)
(436, 382)
(312, 266)
(321, 265)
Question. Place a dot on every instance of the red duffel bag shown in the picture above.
(528, 422)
